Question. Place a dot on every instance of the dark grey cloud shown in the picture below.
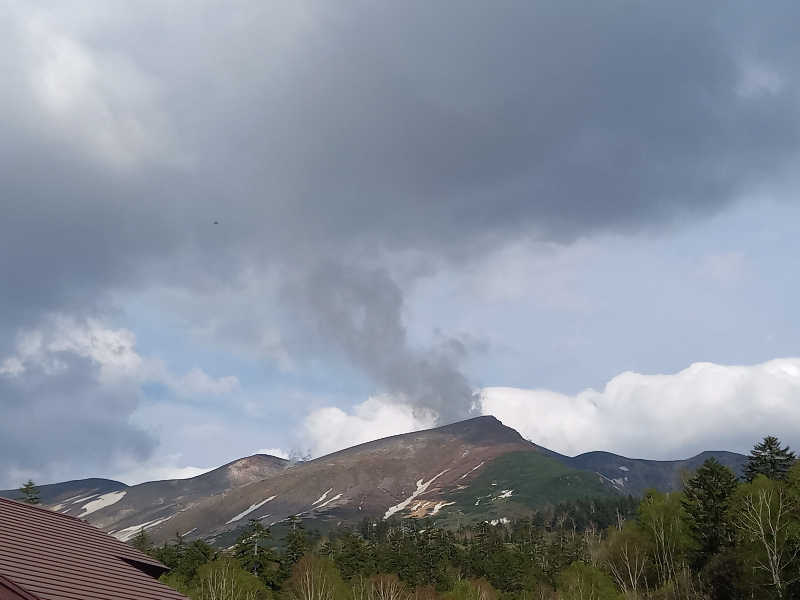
(58, 417)
(328, 140)
(360, 312)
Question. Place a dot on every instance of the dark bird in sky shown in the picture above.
(216, 222)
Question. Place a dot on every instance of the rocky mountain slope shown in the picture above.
(54, 494)
(472, 470)
(90, 498)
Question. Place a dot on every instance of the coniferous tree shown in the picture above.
(251, 549)
(769, 459)
(142, 542)
(296, 546)
(30, 493)
(706, 500)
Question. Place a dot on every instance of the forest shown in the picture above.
(719, 538)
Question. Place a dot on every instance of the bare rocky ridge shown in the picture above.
(439, 472)
(104, 502)
(380, 478)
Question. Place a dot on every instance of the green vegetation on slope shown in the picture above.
(513, 484)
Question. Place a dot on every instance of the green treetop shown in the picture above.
(769, 459)
(30, 493)
(253, 553)
(706, 500)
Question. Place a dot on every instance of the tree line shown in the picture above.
(719, 538)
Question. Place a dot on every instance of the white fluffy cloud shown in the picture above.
(330, 428)
(279, 452)
(162, 467)
(704, 407)
(112, 351)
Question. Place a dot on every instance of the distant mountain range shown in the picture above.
(472, 470)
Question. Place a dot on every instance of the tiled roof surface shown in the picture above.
(58, 557)
(11, 591)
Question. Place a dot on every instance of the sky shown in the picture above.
(293, 227)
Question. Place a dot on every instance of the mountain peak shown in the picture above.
(253, 468)
(486, 428)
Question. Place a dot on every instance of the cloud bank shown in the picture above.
(346, 152)
(704, 407)
(69, 392)
(329, 429)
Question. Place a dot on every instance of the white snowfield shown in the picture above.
(84, 498)
(439, 506)
(70, 499)
(103, 501)
(336, 497)
(123, 535)
(611, 481)
(472, 469)
(624, 469)
(252, 507)
(321, 498)
(422, 487)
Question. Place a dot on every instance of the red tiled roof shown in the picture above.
(58, 557)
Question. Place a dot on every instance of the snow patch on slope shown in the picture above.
(472, 469)
(85, 498)
(251, 508)
(102, 502)
(422, 487)
(336, 497)
(321, 498)
(439, 506)
(123, 535)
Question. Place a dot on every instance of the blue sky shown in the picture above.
(289, 228)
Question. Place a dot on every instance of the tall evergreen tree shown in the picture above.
(253, 553)
(251, 549)
(30, 493)
(142, 542)
(707, 496)
(297, 545)
(769, 459)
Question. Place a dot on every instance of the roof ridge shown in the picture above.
(42, 509)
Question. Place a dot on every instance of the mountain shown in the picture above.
(67, 492)
(375, 479)
(634, 475)
(477, 469)
(104, 501)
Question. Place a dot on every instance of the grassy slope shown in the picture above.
(536, 480)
